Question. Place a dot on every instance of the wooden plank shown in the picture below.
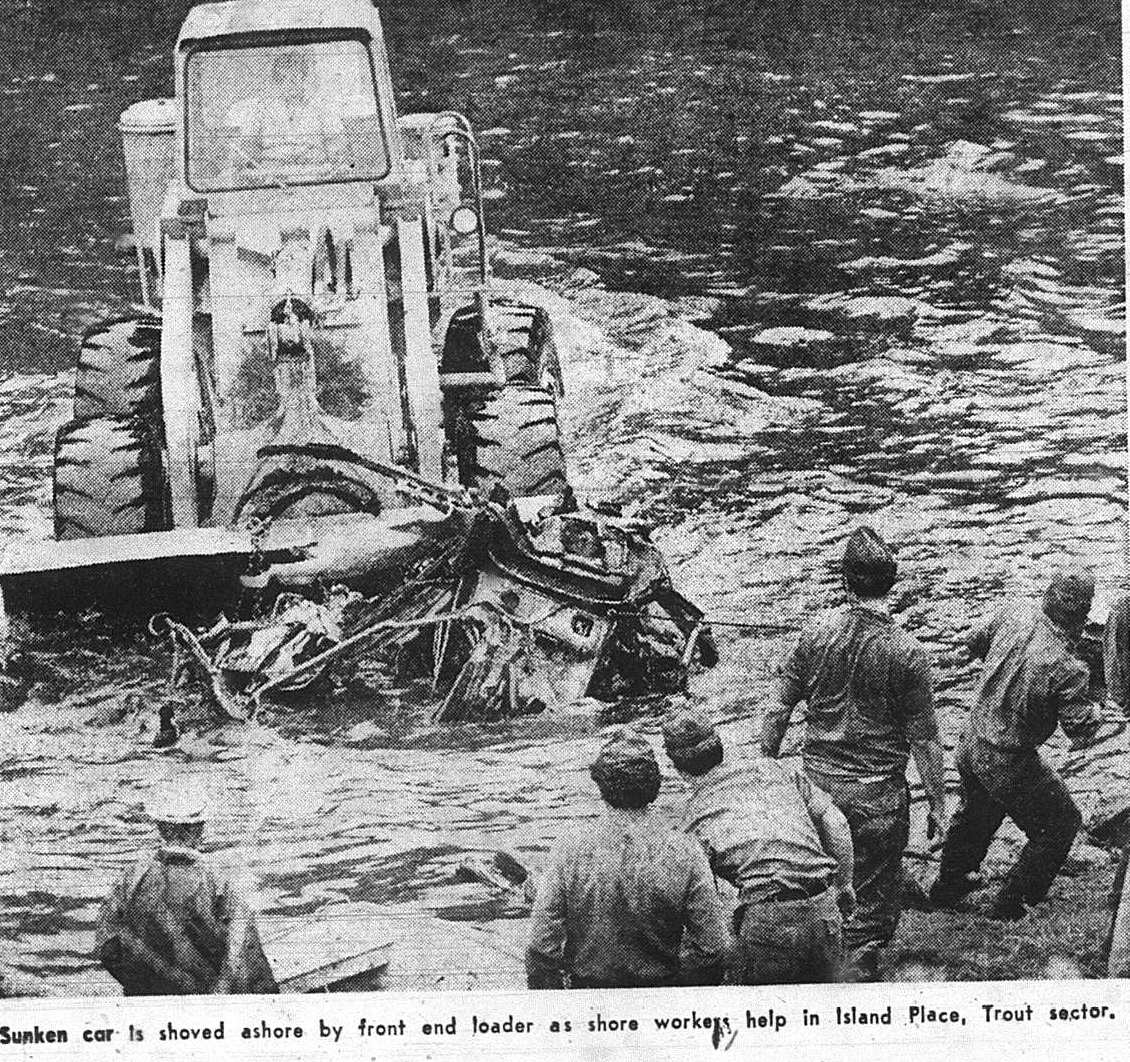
(365, 946)
(435, 954)
(28, 556)
(341, 943)
(1118, 963)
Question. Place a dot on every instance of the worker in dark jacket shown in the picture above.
(780, 842)
(868, 695)
(173, 925)
(1031, 681)
(623, 895)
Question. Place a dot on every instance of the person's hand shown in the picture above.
(846, 901)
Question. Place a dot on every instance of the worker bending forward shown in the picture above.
(1031, 681)
(866, 684)
(175, 926)
(623, 895)
(781, 842)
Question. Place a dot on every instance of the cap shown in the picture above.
(688, 732)
(1067, 600)
(869, 567)
(178, 806)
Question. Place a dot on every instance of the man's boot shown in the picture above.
(1008, 905)
(949, 892)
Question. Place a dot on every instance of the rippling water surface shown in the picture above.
(805, 272)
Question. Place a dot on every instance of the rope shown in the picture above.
(713, 621)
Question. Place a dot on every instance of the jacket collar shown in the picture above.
(626, 816)
(176, 853)
(873, 606)
(1069, 636)
(696, 785)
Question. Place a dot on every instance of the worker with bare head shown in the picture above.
(173, 924)
(866, 686)
(780, 841)
(289, 122)
(1031, 682)
(625, 901)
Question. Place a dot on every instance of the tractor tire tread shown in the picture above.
(515, 443)
(522, 336)
(109, 478)
(119, 371)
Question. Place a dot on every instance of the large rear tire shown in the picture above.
(109, 479)
(514, 441)
(119, 370)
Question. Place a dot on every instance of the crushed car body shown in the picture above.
(524, 614)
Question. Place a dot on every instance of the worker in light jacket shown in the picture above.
(626, 901)
(175, 925)
(780, 841)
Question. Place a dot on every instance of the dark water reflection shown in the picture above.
(809, 263)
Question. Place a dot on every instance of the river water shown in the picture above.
(807, 270)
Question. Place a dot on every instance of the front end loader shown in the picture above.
(321, 419)
(316, 324)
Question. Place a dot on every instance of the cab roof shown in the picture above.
(207, 21)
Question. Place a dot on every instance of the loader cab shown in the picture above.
(264, 111)
(284, 94)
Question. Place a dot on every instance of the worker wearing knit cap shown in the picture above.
(868, 707)
(1031, 682)
(625, 901)
(780, 841)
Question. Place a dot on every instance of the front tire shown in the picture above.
(109, 479)
(514, 440)
(521, 336)
(523, 339)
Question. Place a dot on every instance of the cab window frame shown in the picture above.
(290, 38)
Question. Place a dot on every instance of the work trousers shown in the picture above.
(1118, 953)
(794, 942)
(1021, 785)
(878, 814)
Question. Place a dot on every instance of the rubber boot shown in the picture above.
(950, 892)
(1008, 905)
